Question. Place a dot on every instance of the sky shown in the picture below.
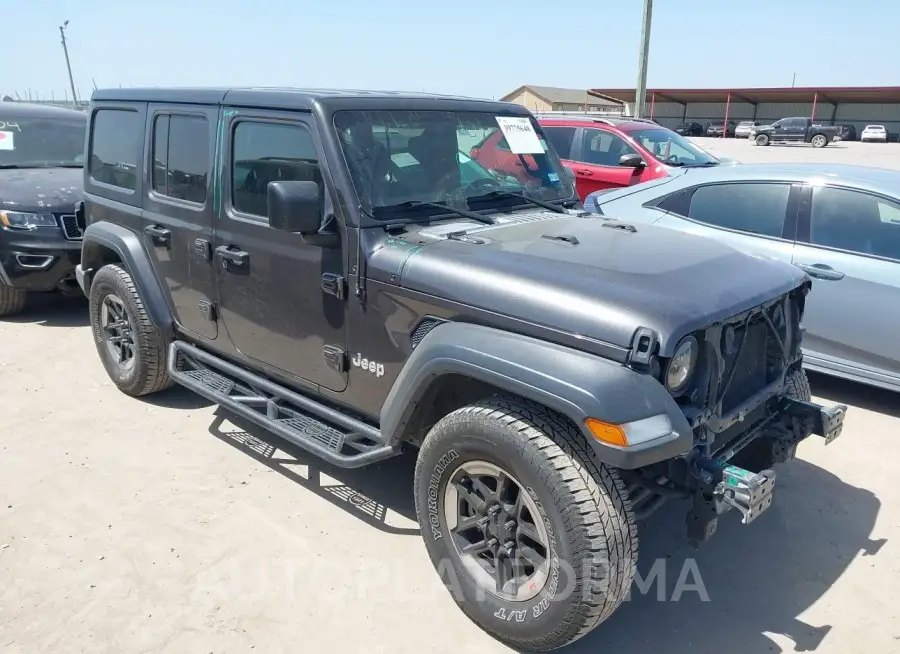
(480, 48)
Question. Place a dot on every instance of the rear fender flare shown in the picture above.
(101, 238)
(576, 384)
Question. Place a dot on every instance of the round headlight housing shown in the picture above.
(681, 366)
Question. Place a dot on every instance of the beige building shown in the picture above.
(540, 99)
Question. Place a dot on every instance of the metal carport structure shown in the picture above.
(858, 106)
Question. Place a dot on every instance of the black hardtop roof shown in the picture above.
(302, 99)
(33, 110)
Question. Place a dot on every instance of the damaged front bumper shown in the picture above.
(724, 486)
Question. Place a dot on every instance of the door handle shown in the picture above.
(157, 233)
(821, 271)
(230, 254)
(586, 173)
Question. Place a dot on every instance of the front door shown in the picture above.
(177, 216)
(271, 297)
(851, 249)
(596, 162)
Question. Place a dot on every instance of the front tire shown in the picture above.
(12, 300)
(532, 535)
(133, 351)
(762, 139)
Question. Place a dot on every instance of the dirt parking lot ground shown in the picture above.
(131, 526)
(878, 155)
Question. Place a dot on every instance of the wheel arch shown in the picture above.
(458, 363)
(106, 243)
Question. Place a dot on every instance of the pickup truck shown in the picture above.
(795, 130)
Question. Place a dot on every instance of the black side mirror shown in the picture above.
(294, 206)
(632, 161)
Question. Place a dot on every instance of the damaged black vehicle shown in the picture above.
(41, 156)
(337, 268)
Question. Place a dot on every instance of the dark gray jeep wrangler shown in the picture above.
(359, 272)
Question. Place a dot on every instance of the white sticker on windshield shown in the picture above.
(404, 159)
(6, 141)
(520, 135)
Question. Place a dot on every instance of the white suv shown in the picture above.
(874, 133)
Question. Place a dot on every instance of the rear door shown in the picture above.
(562, 138)
(796, 129)
(178, 210)
(596, 155)
(849, 242)
(755, 217)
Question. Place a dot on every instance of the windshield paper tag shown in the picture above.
(6, 141)
(520, 135)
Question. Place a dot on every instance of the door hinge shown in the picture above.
(208, 309)
(335, 357)
(334, 285)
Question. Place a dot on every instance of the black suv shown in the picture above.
(333, 267)
(41, 157)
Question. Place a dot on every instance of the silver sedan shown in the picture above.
(841, 224)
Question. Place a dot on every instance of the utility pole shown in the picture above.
(62, 33)
(640, 95)
(793, 80)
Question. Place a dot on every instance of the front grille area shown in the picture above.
(71, 229)
(748, 369)
(756, 352)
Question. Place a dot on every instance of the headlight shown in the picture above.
(681, 365)
(19, 220)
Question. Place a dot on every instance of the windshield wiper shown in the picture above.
(501, 193)
(465, 213)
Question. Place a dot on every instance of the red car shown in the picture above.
(603, 152)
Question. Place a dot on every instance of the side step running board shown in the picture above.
(329, 434)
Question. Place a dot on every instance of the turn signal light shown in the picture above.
(607, 432)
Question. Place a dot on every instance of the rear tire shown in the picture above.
(819, 141)
(133, 351)
(762, 139)
(12, 300)
(579, 505)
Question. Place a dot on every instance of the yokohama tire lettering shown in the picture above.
(434, 492)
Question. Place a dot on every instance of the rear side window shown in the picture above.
(561, 138)
(269, 152)
(855, 221)
(115, 147)
(181, 157)
(756, 208)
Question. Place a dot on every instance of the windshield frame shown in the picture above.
(420, 214)
(14, 122)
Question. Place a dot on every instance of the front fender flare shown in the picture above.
(576, 384)
(101, 237)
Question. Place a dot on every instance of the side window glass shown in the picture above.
(855, 221)
(181, 157)
(756, 208)
(604, 148)
(269, 152)
(115, 147)
(561, 139)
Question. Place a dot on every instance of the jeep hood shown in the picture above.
(589, 276)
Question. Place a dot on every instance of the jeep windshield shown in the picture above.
(41, 142)
(672, 148)
(409, 163)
